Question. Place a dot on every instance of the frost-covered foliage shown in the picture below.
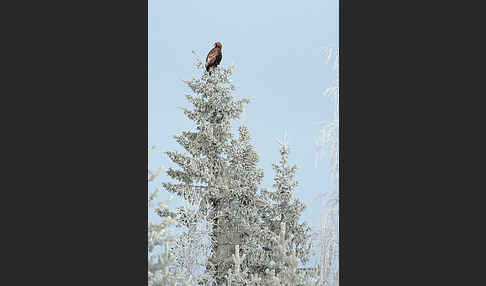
(232, 233)
(218, 173)
(282, 206)
(286, 271)
(328, 144)
(328, 140)
(193, 245)
(160, 261)
(160, 264)
(329, 246)
(286, 261)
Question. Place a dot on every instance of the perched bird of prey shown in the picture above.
(214, 57)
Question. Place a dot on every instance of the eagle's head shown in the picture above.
(218, 44)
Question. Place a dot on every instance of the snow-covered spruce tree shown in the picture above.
(328, 144)
(220, 170)
(283, 208)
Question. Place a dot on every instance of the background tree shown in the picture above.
(328, 146)
(160, 261)
(192, 247)
(159, 236)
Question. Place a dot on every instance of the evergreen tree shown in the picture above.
(218, 171)
(284, 241)
(285, 209)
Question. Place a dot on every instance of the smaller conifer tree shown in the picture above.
(283, 207)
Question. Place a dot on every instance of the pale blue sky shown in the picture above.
(277, 49)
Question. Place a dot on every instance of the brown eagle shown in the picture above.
(214, 57)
